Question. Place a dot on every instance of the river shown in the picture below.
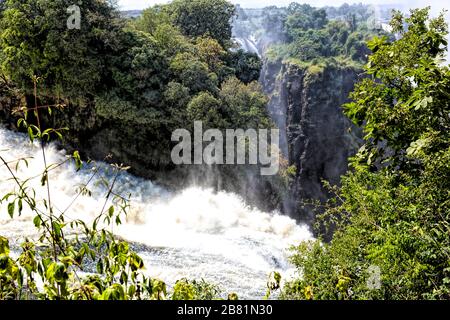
(196, 233)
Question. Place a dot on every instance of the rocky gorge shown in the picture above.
(306, 104)
(304, 101)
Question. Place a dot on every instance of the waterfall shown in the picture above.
(248, 45)
(196, 233)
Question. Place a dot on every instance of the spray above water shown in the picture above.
(196, 233)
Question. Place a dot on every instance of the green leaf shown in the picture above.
(111, 211)
(115, 292)
(20, 278)
(44, 178)
(30, 134)
(131, 291)
(100, 266)
(57, 228)
(37, 221)
(21, 122)
(20, 205)
(4, 246)
(11, 207)
(77, 159)
(60, 137)
(123, 277)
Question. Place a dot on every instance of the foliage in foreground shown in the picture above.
(392, 212)
(75, 259)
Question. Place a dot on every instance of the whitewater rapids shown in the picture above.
(193, 234)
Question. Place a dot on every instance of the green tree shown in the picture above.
(205, 107)
(245, 104)
(211, 52)
(312, 38)
(392, 211)
(193, 73)
(247, 66)
(35, 40)
(126, 83)
(151, 18)
(304, 17)
(198, 18)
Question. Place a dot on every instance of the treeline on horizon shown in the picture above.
(303, 34)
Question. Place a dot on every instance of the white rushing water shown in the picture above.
(248, 45)
(195, 234)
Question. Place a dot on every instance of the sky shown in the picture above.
(435, 4)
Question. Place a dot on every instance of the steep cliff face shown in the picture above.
(316, 137)
(306, 103)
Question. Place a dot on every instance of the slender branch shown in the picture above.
(27, 198)
(55, 256)
(108, 195)
(79, 193)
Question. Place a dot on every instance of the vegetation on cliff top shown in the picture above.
(304, 35)
(141, 78)
(391, 216)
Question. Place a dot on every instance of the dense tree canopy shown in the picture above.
(306, 33)
(392, 212)
(35, 40)
(304, 17)
(146, 75)
(197, 18)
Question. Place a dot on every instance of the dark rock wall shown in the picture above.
(306, 103)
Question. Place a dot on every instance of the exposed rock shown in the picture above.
(315, 137)
(306, 103)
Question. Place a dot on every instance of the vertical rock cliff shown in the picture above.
(306, 103)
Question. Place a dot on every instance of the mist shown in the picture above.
(404, 4)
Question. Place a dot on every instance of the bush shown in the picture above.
(391, 218)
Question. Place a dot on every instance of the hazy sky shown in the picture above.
(436, 4)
